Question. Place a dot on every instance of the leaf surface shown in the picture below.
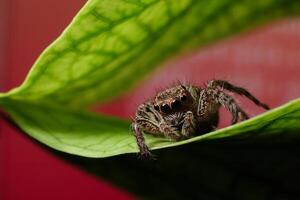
(90, 135)
(110, 45)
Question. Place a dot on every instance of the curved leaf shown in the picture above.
(212, 169)
(89, 135)
(110, 45)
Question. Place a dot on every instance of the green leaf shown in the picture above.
(110, 45)
(256, 159)
(89, 135)
(212, 169)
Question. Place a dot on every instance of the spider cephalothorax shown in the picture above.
(185, 111)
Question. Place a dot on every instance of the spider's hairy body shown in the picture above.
(184, 111)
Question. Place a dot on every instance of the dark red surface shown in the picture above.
(266, 61)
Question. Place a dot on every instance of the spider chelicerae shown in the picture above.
(184, 111)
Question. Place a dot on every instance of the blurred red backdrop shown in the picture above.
(266, 61)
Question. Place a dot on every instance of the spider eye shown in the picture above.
(183, 98)
(156, 107)
(165, 108)
(176, 104)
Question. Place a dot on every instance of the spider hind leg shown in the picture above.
(238, 90)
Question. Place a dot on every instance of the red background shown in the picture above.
(266, 61)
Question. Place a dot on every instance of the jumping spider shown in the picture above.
(185, 111)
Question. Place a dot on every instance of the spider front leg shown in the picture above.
(154, 123)
(213, 97)
(143, 148)
(147, 119)
(189, 125)
(151, 121)
(169, 131)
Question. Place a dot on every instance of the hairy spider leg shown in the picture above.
(238, 90)
(143, 148)
(220, 98)
(189, 126)
(150, 120)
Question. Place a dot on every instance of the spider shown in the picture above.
(184, 111)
